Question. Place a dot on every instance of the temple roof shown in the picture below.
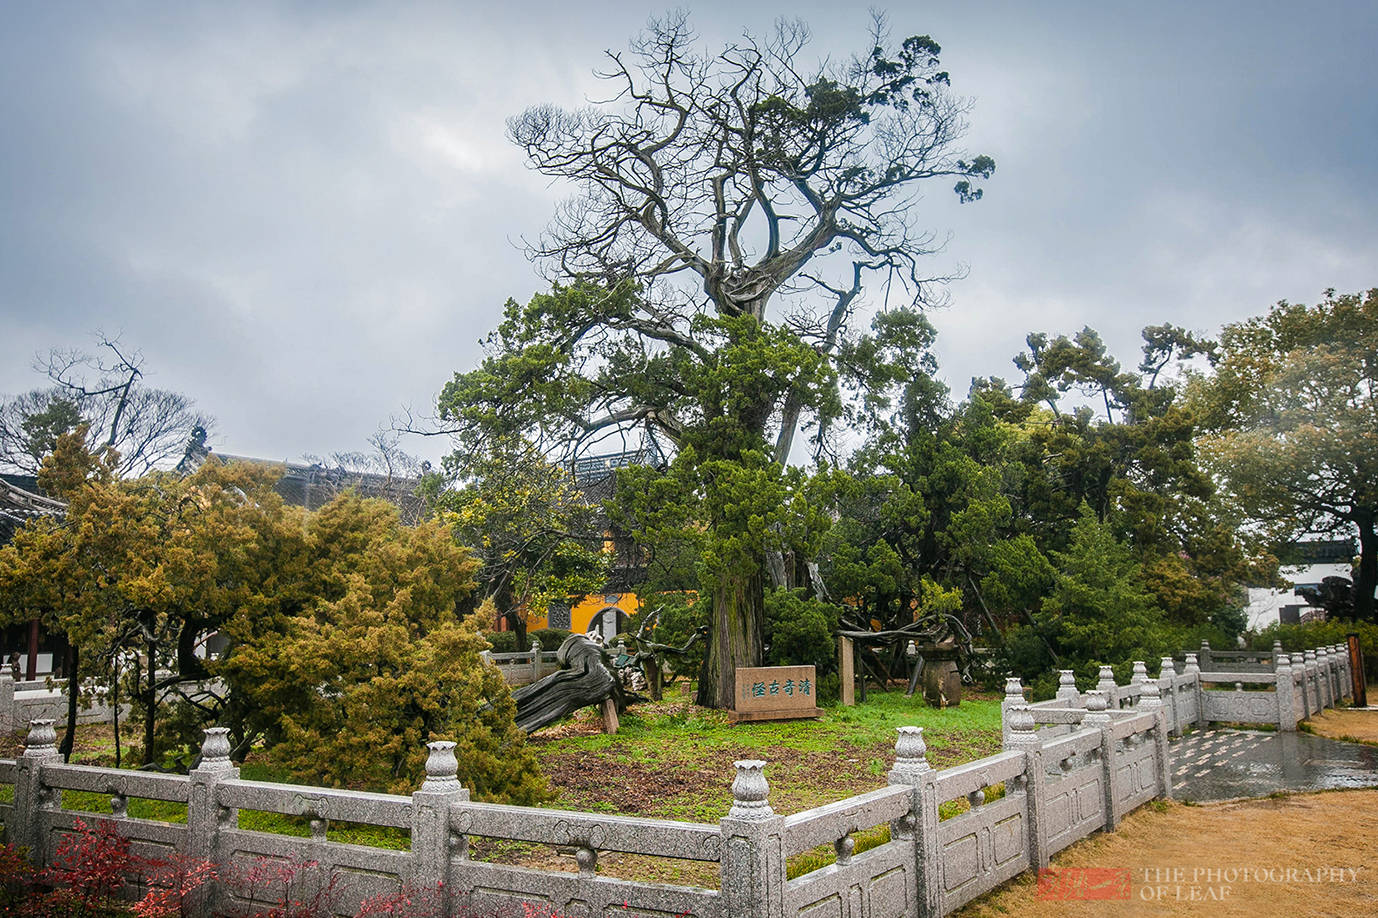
(20, 501)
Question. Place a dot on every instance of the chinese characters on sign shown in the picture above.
(776, 692)
(805, 687)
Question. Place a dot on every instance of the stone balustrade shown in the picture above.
(1233, 688)
(1070, 767)
(526, 666)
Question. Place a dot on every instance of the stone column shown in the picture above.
(431, 839)
(1067, 688)
(1140, 675)
(753, 850)
(1346, 677)
(535, 660)
(1098, 716)
(24, 828)
(1333, 653)
(1205, 656)
(1277, 653)
(9, 715)
(1023, 737)
(846, 670)
(1167, 691)
(1299, 676)
(1287, 699)
(1323, 677)
(1014, 695)
(206, 817)
(1313, 683)
(1322, 686)
(1334, 673)
(921, 825)
(1151, 700)
(1193, 669)
(1332, 656)
(1105, 682)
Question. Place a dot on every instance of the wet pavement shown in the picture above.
(1211, 765)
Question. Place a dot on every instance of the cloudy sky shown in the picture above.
(306, 215)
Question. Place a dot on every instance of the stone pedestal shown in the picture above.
(942, 683)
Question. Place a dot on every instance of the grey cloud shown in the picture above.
(307, 215)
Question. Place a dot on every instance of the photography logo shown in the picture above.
(1083, 883)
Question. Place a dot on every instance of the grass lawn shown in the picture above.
(672, 760)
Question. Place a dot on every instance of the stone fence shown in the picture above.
(1012, 811)
(1274, 689)
(524, 667)
(28, 700)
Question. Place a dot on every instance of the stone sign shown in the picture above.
(775, 693)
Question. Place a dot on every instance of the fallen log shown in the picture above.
(585, 678)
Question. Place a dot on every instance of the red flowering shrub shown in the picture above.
(90, 869)
(298, 888)
(93, 866)
(407, 902)
(171, 884)
(17, 878)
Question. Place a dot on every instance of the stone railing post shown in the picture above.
(1067, 688)
(912, 769)
(1277, 653)
(1204, 658)
(431, 839)
(1024, 738)
(1167, 691)
(1346, 678)
(1105, 682)
(1323, 679)
(1332, 657)
(753, 848)
(1304, 688)
(1332, 668)
(9, 716)
(24, 828)
(846, 671)
(1151, 701)
(1140, 675)
(1098, 716)
(1014, 694)
(1342, 670)
(1313, 682)
(206, 817)
(1193, 668)
(1287, 699)
(535, 660)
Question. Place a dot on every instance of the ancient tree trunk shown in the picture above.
(517, 624)
(150, 702)
(73, 696)
(189, 665)
(737, 637)
(1366, 578)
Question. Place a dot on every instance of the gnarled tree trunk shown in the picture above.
(737, 637)
(1366, 578)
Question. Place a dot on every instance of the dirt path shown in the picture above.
(1286, 857)
(1348, 724)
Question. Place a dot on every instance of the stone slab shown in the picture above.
(775, 692)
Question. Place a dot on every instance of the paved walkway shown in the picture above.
(1211, 765)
